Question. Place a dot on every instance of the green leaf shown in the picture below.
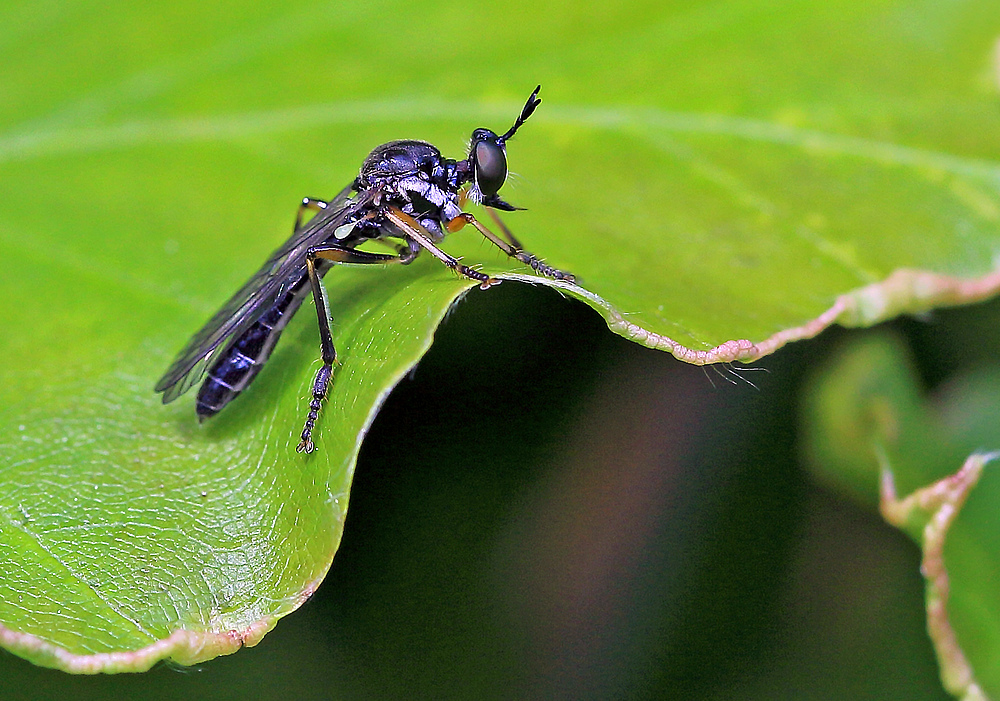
(723, 179)
(874, 437)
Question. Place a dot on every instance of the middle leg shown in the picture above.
(321, 383)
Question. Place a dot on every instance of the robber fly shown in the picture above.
(406, 193)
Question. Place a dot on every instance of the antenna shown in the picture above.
(529, 107)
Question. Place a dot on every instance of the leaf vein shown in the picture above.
(73, 573)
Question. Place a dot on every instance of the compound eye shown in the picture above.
(491, 167)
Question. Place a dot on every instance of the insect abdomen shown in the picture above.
(243, 359)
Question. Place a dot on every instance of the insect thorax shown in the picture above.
(414, 177)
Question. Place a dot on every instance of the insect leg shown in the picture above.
(514, 251)
(321, 383)
(406, 252)
(308, 203)
(504, 229)
(409, 226)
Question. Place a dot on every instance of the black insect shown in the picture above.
(406, 192)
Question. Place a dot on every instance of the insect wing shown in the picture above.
(284, 268)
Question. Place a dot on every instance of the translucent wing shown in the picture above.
(285, 267)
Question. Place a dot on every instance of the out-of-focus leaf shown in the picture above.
(873, 436)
